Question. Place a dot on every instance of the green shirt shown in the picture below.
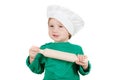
(57, 69)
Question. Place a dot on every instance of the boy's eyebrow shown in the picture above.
(49, 23)
(60, 24)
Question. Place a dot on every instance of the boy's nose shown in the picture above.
(55, 29)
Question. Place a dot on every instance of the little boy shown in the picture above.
(62, 25)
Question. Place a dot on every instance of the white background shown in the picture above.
(23, 23)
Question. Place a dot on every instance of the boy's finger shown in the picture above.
(81, 57)
(79, 62)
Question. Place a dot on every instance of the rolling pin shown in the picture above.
(70, 57)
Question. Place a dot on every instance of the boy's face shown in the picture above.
(57, 31)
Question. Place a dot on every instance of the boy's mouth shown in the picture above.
(54, 35)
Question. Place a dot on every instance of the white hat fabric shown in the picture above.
(70, 20)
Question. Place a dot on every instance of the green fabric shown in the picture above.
(57, 69)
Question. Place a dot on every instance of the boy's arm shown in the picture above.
(37, 66)
(85, 71)
(83, 64)
(83, 68)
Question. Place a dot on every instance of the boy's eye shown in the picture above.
(60, 26)
(51, 26)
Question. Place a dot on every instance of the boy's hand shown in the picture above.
(33, 52)
(83, 61)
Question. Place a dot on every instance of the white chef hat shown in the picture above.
(72, 22)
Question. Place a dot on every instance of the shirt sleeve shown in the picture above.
(37, 66)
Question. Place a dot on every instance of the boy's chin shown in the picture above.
(60, 40)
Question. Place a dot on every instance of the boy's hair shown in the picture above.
(70, 36)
